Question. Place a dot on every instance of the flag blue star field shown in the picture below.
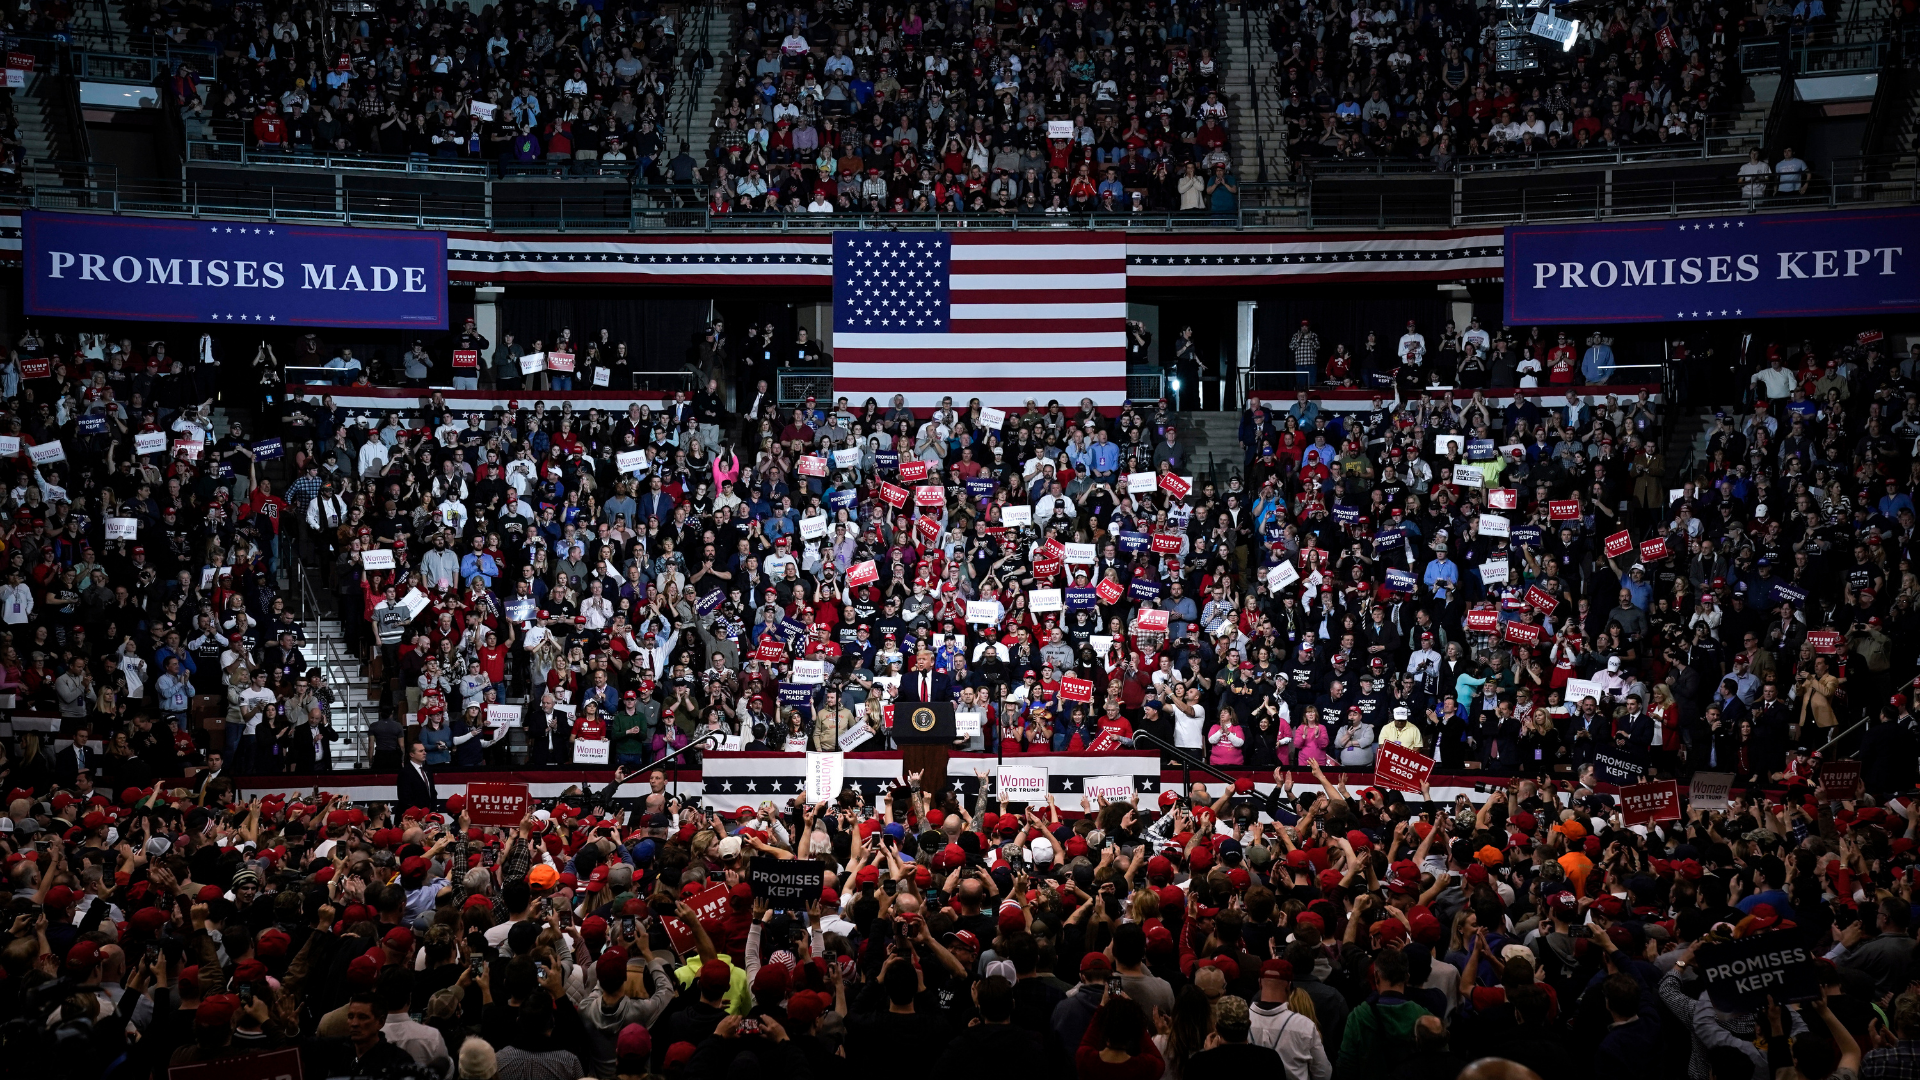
(1003, 317)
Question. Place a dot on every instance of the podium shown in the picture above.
(924, 733)
(927, 759)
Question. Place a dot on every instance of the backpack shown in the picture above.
(1390, 1051)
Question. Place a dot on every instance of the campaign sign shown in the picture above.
(770, 651)
(1132, 542)
(1643, 804)
(1177, 486)
(1283, 574)
(1826, 642)
(1653, 550)
(710, 904)
(1839, 779)
(1108, 591)
(1792, 594)
(1522, 633)
(1012, 515)
(826, 775)
(268, 450)
(1524, 536)
(844, 499)
(1742, 974)
(1401, 769)
(1046, 568)
(1153, 619)
(1708, 790)
(1541, 600)
(1166, 543)
(1109, 788)
(930, 495)
(498, 804)
(1020, 783)
(178, 270)
(1074, 689)
(1397, 580)
(1482, 620)
(788, 883)
(1618, 544)
(914, 471)
(1503, 498)
(863, 573)
(1494, 525)
(1469, 476)
(1043, 600)
(1144, 589)
(1563, 510)
(1617, 769)
(894, 496)
(980, 488)
(1078, 598)
(1756, 267)
(811, 465)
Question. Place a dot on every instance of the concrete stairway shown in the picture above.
(1213, 443)
(1259, 136)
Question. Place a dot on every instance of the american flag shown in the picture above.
(1004, 317)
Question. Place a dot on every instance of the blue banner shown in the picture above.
(268, 449)
(1132, 541)
(886, 459)
(1524, 536)
(176, 270)
(1753, 267)
(1144, 589)
(1387, 538)
(1399, 581)
(796, 694)
(980, 487)
(1479, 449)
(710, 603)
(845, 499)
(1082, 598)
(1346, 515)
(91, 425)
(1792, 594)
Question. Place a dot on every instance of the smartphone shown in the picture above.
(626, 925)
(479, 968)
(749, 1026)
(1117, 984)
(540, 970)
(246, 995)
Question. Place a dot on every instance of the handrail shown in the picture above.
(1187, 761)
(711, 736)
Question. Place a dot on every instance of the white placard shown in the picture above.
(631, 461)
(150, 442)
(1469, 476)
(533, 362)
(1011, 515)
(533, 637)
(482, 110)
(1281, 575)
(1494, 572)
(847, 459)
(813, 528)
(1442, 444)
(1577, 689)
(504, 715)
(592, 751)
(1138, 482)
(1023, 783)
(826, 775)
(994, 418)
(1101, 643)
(983, 611)
(1111, 788)
(1059, 129)
(1495, 525)
(968, 723)
(857, 735)
(47, 453)
(1507, 450)
(602, 376)
(1673, 494)
(1045, 600)
(1708, 790)
(10, 445)
(377, 559)
(54, 493)
(415, 602)
(810, 672)
(1080, 553)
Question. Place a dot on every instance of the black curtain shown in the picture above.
(660, 333)
(1343, 315)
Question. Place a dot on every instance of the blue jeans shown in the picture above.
(557, 381)
(466, 382)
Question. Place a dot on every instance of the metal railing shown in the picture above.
(1807, 58)
(348, 719)
(1188, 762)
(799, 384)
(144, 70)
(1713, 146)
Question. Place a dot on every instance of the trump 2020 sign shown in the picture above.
(1752, 267)
(175, 270)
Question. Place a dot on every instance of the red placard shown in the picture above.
(19, 61)
(710, 903)
(1824, 641)
(1541, 600)
(498, 804)
(466, 358)
(1108, 740)
(928, 528)
(1483, 620)
(893, 496)
(560, 361)
(270, 1065)
(1176, 486)
(1840, 778)
(1522, 633)
(811, 465)
(1045, 568)
(930, 495)
(1641, 804)
(1619, 543)
(1074, 689)
(679, 934)
(1400, 769)
(1563, 510)
(1166, 543)
(770, 650)
(1153, 619)
(1054, 549)
(864, 573)
(912, 471)
(1868, 337)
(1503, 498)
(1109, 591)
(1653, 550)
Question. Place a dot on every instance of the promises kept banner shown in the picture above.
(170, 270)
(1756, 266)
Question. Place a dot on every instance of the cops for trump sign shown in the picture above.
(173, 270)
(1748, 267)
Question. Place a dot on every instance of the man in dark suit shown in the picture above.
(76, 759)
(923, 683)
(653, 503)
(416, 783)
(312, 748)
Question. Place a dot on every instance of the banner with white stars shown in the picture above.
(1177, 260)
(1759, 266)
(749, 779)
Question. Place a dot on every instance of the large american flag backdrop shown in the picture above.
(1003, 317)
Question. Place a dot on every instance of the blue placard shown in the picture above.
(886, 459)
(91, 425)
(1792, 594)
(796, 694)
(1077, 598)
(268, 450)
(1480, 450)
(1144, 589)
(177, 270)
(1387, 538)
(521, 610)
(1692, 269)
(792, 633)
(220, 470)
(980, 487)
(710, 603)
(1400, 581)
(1133, 541)
(1346, 515)
(1380, 380)
(844, 499)
(1523, 536)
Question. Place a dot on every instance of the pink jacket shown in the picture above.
(1310, 744)
(1225, 743)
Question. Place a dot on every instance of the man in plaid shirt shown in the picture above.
(1306, 349)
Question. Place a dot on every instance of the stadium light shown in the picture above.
(1562, 31)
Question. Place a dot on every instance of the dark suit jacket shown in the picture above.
(66, 765)
(910, 687)
(417, 792)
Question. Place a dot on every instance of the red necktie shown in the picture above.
(926, 688)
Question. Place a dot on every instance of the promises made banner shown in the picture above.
(171, 270)
(1747, 267)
